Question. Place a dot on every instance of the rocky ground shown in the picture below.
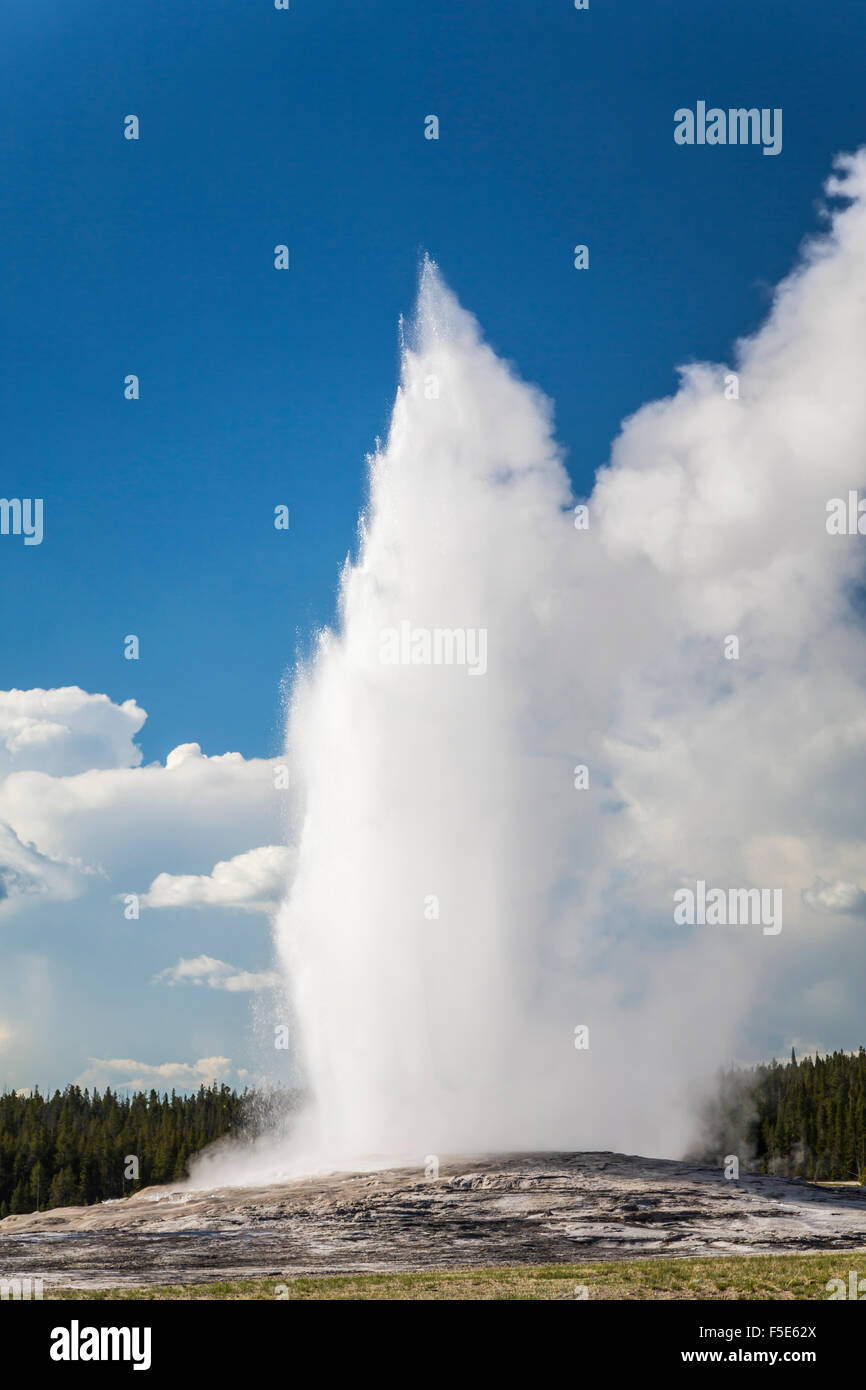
(516, 1209)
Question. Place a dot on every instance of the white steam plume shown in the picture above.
(425, 1034)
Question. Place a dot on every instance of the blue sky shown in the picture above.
(261, 388)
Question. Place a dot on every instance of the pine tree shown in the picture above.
(71, 1147)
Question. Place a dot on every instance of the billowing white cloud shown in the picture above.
(126, 1074)
(25, 873)
(82, 819)
(216, 974)
(66, 730)
(130, 823)
(253, 882)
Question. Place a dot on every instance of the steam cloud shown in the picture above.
(424, 1034)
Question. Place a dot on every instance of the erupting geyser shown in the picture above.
(526, 734)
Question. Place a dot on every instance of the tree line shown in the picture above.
(802, 1118)
(76, 1146)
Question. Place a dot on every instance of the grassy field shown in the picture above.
(743, 1276)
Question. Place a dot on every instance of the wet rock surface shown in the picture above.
(513, 1209)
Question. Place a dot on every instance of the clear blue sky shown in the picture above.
(258, 387)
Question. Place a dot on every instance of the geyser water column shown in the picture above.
(459, 907)
(466, 895)
(412, 928)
